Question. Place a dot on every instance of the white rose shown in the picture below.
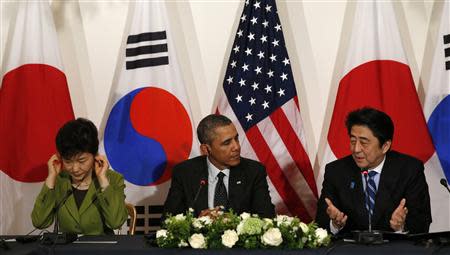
(229, 238)
(161, 233)
(183, 244)
(197, 241)
(180, 217)
(272, 237)
(321, 235)
(245, 215)
(304, 227)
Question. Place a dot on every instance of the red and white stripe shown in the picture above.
(278, 143)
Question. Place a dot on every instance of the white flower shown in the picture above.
(239, 227)
(197, 224)
(205, 220)
(267, 220)
(245, 215)
(180, 217)
(284, 220)
(272, 237)
(321, 234)
(161, 233)
(280, 218)
(183, 244)
(229, 238)
(197, 241)
(191, 210)
(267, 223)
(304, 227)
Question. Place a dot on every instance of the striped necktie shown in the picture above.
(372, 191)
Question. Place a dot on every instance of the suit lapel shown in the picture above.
(358, 195)
(235, 188)
(385, 186)
(70, 204)
(89, 198)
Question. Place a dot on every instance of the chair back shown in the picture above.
(132, 213)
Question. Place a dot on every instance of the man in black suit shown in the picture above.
(400, 200)
(221, 178)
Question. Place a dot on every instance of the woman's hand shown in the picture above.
(101, 167)
(54, 165)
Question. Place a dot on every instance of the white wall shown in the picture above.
(90, 34)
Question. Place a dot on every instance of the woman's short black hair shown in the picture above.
(75, 137)
(377, 121)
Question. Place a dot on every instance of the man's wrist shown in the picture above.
(333, 228)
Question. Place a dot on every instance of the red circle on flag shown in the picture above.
(388, 86)
(34, 104)
(157, 114)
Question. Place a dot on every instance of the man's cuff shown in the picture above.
(334, 230)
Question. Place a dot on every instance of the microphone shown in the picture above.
(445, 184)
(370, 236)
(201, 185)
(366, 173)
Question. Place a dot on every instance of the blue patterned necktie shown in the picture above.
(220, 193)
(372, 190)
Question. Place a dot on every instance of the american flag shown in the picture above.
(261, 99)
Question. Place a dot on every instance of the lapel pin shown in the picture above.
(238, 182)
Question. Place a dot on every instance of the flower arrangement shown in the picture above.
(227, 230)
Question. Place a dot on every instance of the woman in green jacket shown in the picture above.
(89, 195)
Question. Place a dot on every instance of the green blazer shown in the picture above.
(100, 211)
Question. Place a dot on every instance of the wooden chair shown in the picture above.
(132, 213)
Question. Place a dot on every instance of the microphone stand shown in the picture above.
(201, 184)
(370, 236)
(63, 238)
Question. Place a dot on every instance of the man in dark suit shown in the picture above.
(221, 178)
(398, 197)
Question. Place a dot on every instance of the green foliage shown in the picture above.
(226, 230)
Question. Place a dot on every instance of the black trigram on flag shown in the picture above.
(447, 51)
(148, 218)
(147, 49)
